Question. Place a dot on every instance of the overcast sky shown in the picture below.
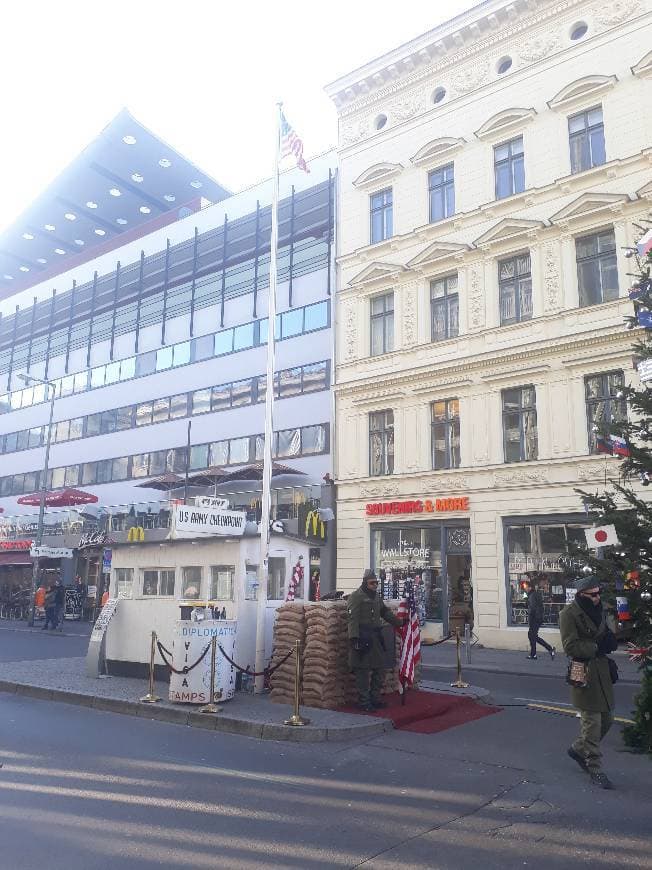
(202, 74)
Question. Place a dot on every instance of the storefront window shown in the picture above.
(539, 552)
(415, 550)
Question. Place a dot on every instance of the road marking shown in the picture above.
(542, 701)
(549, 708)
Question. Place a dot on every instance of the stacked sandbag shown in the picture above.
(327, 682)
(289, 627)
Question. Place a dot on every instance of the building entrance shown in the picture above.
(436, 557)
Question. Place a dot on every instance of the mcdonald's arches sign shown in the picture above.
(311, 527)
(136, 535)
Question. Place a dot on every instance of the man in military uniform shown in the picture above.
(586, 637)
(367, 612)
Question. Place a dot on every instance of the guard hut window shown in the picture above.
(222, 582)
(191, 582)
(123, 579)
(158, 582)
(276, 579)
(603, 405)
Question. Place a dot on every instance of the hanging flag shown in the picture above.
(291, 144)
(644, 244)
(645, 319)
(613, 445)
(622, 606)
(295, 581)
(601, 536)
(411, 637)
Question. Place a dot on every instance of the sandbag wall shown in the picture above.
(326, 679)
(289, 627)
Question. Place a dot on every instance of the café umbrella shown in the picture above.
(59, 498)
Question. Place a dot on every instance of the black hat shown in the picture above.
(369, 574)
(589, 581)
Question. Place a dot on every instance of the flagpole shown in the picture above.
(263, 567)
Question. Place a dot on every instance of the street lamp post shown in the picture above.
(51, 388)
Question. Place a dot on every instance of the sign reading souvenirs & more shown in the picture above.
(16, 545)
(419, 506)
(196, 522)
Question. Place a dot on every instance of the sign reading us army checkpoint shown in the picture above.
(193, 522)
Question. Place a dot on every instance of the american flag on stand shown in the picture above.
(291, 145)
(410, 636)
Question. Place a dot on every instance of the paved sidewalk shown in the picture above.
(253, 716)
(515, 662)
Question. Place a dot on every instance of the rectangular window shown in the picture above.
(179, 406)
(89, 473)
(221, 398)
(603, 404)
(382, 324)
(199, 456)
(241, 393)
(76, 428)
(520, 424)
(441, 191)
(288, 442)
(276, 581)
(381, 443)
(144, 414)
(315, 316)
(291, 323)
(509, 168)
(201, 401)
(191, 582)
(223, 342)
(238, 451)
(586, 140)
(163, 359)
(289, 381)
(124, 417)
(181, 354)
(140, 465)
(71, 475)
(243, 336)
(313, 440)
(120, 468)
(123, 579)
(107, 422)
(219, 453)
(597, 271)
(444, 308)
(158, 582)
(515, 286)
(315, 377)
(222, 582)
(445, 433)
(160, 410)
(381, 215)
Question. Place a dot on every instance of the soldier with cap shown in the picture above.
(587, 638)
(367, 612)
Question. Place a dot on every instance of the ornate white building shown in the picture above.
(490, 172)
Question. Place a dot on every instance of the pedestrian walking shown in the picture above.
(50, 608)
(366, 613)
(535, 621)
(587, 639)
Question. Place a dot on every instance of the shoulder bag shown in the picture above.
(577, 674)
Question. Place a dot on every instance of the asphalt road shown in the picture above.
(83, 789)
(20, 643)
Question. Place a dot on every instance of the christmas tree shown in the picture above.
(625, 569)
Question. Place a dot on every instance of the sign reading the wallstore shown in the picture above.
(427, 506)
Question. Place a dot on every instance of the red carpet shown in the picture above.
(429, 712)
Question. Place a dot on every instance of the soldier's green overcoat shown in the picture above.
(580, 637)
(366, 617)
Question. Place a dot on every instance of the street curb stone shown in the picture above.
(206, 721)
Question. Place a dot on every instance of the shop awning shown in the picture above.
(15, 557)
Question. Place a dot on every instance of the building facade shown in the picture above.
(490, 172)
(156, 345)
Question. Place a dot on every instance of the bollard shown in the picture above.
(459, 683)
(150, 697)
(296, 718)
(212, 707)
(467, 642)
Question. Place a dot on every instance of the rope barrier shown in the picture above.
(186, 668)
(266, 673)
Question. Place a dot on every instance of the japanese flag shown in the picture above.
(601, 536)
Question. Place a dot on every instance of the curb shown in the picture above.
(486, 669)
(194, 719)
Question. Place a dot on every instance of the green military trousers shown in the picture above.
(593, 728)
(369, 683)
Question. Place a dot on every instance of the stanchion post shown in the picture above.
(459, 682)
(296, 718)
(467, 642)
(212, 707)
(150, 697)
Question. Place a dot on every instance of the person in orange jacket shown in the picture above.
(105, 596)
(39, 598)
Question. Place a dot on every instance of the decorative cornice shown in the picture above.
(436, 151)
(644, 67)
(379, 174)
(508, 229)
(503, 123)
(436, 253)
(376, 272)
(581, 91)
(589, 204)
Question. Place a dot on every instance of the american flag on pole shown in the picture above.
(291, 144)
(410, 635)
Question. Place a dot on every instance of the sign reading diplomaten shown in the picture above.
(192, 522)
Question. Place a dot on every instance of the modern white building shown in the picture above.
(489, 175)
(137, 286)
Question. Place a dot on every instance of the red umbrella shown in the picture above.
(59, 498)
